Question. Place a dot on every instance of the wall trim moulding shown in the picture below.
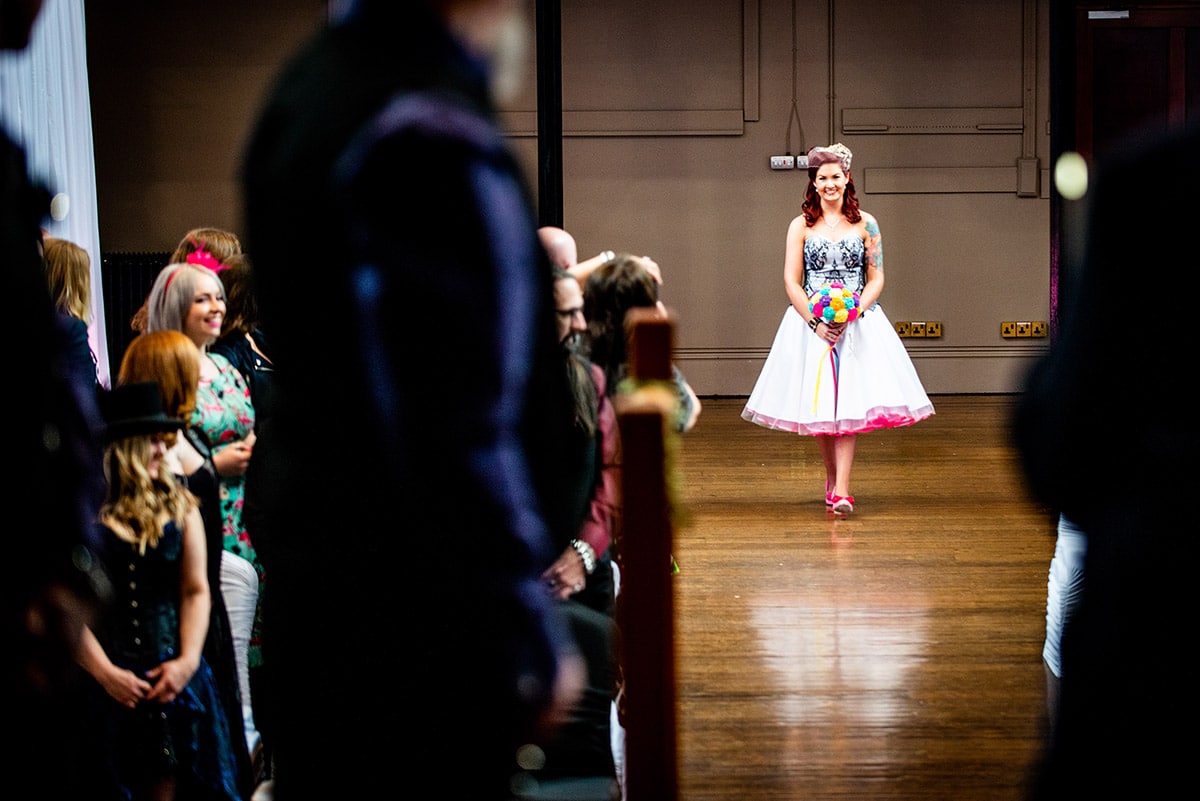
(980, 120)
(939, 180)
(675, 122)
(1005, 351)
(729, 120)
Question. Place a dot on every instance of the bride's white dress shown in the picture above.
(867, 381)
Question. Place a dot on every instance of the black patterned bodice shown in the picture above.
(826, 261)
(141, 627)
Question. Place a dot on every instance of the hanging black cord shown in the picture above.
(795, 113)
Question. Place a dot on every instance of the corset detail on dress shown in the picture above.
(827, 261)
(144, 629)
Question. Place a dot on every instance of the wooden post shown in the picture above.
(646, 605)
(651, 339)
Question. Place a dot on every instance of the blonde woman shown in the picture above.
(69, 275)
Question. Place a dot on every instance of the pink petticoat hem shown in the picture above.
(877, 418)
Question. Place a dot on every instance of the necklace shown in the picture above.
(831, 224)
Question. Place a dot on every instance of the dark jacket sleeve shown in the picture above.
(453, 316)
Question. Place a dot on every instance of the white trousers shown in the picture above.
(1063, 588)
(239, 585)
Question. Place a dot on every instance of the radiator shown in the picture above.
(126, 278)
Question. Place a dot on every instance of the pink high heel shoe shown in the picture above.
(842, 504)
(829, 496)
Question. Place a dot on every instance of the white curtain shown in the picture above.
(45, 106)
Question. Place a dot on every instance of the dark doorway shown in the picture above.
(1137, 71)
(1115, 73)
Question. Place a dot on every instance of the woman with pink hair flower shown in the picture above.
(206, 247)
(191, 298)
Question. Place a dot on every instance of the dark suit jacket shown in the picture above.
(419, 406)
(78, 358)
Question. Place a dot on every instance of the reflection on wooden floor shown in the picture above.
(891, 654)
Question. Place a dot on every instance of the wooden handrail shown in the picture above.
(646, 412)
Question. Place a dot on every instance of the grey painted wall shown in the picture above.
(671, 112)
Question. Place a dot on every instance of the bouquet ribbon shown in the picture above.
(834, 367)
(837, 304)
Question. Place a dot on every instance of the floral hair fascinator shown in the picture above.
(835, 152)
(205, 259)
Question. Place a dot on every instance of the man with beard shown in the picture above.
(581, 577)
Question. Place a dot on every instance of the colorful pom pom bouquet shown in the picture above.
(834, 303)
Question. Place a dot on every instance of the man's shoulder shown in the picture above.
(361, 77)
(441, 117)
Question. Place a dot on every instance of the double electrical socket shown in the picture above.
(789, 162)
(918, 328)
(1022, 329)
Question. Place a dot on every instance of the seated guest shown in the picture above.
(622, 283)
(581, 575)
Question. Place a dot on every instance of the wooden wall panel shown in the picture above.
(671, 112)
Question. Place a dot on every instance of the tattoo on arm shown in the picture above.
(874, 246)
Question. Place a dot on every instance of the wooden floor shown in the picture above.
(891, 654)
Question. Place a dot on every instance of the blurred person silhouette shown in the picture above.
(69, 273)
(172, 361)
(1129, 677)
(206, 246)
(190, 298)
(158, 721)
(55, 586)
(409, 504)
(622, 283)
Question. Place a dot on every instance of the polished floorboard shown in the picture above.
(894, 653)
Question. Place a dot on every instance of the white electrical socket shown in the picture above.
(783, 162)
(802, 162)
